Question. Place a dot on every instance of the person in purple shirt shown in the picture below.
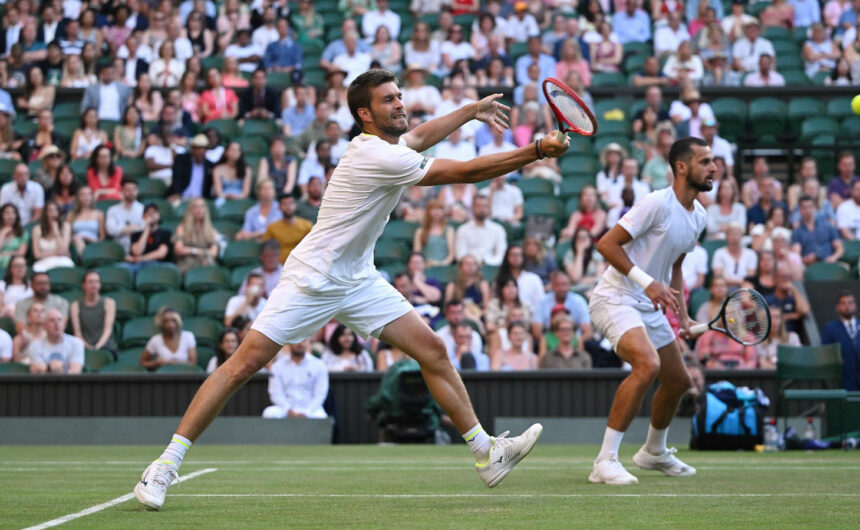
(841, 185)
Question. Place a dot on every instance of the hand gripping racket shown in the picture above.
(570, 111)
(744, 317)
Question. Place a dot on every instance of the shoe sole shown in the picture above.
(594, 479)
(144, 498)
(649, 467)
(510, 466)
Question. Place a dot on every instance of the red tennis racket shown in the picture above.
(570, 111)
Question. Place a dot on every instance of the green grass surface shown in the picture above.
(425, 486)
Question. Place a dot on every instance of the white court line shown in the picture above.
(504, 495)
(108, 504)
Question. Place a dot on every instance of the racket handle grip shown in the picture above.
(560, 136)
(698, 329)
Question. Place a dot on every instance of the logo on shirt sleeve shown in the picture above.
(424, 162)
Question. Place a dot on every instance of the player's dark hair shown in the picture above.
(682, 150)
(358, 94)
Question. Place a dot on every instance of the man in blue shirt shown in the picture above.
(283, 55)
(757, 213)
(632, 25)
(806, 12)
(544, 61)
(337, 47)
(815, 239)
(299, 116)
(560, 295)
(849, 18)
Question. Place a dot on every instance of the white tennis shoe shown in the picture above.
(506, 453)
(610, 471)
(668, 463)
(154, 482)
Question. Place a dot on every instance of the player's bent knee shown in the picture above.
(647, 368)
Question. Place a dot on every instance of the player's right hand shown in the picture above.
(552, 147)
(663, 297)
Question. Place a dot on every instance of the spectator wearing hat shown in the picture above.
(521, 24)
(245, 51)
(633, 24)
(51, 158)
(747, 49)
(720, 147)
(108, 96)
(765, 75)
(689, 113)
(192, 173)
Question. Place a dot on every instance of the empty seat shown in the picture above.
(532, 187)
(203, 279)
(138, 331)
(213, 304)
(181, 301)
(65, 278)
(240, 253)
(115, 278)
(205, 330)
(102, 253)
(157, 278)
(129, 304)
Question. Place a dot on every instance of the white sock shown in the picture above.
(175, 451)
(656, 441)
(611, 444)
(479, 442)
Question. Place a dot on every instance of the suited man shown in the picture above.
(192, 173)
(107, 96)
(49, 29)
(845, 330)
(260, 102)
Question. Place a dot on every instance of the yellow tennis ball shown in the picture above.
(855, 105)
(731, 321)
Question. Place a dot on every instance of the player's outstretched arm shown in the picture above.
(444, 171)
(430, 133)
(611, 246)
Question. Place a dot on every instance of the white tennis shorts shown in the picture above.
(305, 300)
(615, 317)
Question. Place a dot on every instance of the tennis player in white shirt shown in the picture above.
(330, 274)
(646, 250)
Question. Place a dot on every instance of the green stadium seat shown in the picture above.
(181, 301)
(165, 208)
(115, 278)
(532, 187)
(608, 79)
(240, 253)
(204, 355)
(635, 63)
(851, 127)
(204, 279)
(697, 298)
(105, 204)
(67, 109)
(571, 187)
(787, 62)
(821, 364)
(157, 278)
(826, 272)
(579, 164)
(571, 206)
(819, 78)
(767, 117)
(137, 332)
(816, 127)
(731, 113)
(314, 77)
(129, 304)
(256, 146)
(71, 295)
(517, 50)
(388, 252)
(24, 127)
(123, 368)
(227, 228)
(312, 46)
(263, 128)
(852, 252)
(212, 61)
(108, 126)
(102, 253)
(66, 278)
(149, 188)
(513, 231)
(546, 206)
(8, 325)
(490, 272)
(238, 274)
(711, 246)
(213, 304)
(444, 274)
(561, 249)
(205, 330)
(227, 128)
(795, 78)
(800, 35)
(783, 49)
(96, 360)
(234, 210)
(801, 108)
(63, 126)
(130, 356)
(756, 8)
(399, 230)
(614, 128)
(133, 167)
(638, 48)
(777, 33)
(179, 368)
(14, 368)
(7, 166)
(279, 80)
(839, 108)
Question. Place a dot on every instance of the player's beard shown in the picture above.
(702, 185)
(390, 128)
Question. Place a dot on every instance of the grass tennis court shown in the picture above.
(423, 486)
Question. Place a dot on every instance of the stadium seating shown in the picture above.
(102, 253)
(181, 301)
(137, 331)
(799, 109)
(123, 368)
(546, 206)
(820, 364)
(64, 279)
(823, 271)
(204, 279)
(94, 361)
(399, 230)
(240, 253)
(205, 330)
(212, 304)
(115, 278)
(767, 118)
(535, 187)
(157, 278)
(14, 368)
(129, 304)
(178, 368)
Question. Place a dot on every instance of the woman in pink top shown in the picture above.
(571, 60)
(189, 97)
(217, 102)
(103, 176)
(717, 351)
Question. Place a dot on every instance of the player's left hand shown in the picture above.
(492, 112)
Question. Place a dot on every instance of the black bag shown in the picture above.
(727, 418)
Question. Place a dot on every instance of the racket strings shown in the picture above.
(570, 109)
(747, 317)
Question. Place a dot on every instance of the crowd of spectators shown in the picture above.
(164, 82)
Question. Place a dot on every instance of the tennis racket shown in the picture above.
(570, 111)
(744, 317)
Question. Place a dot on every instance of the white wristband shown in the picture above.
(640, 277)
